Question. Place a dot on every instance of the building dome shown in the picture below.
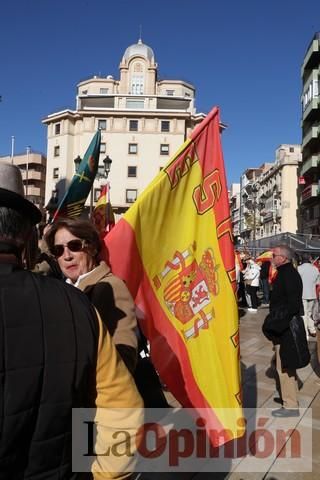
(140, 49)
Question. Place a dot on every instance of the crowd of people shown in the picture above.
(256, 277)
(289, 285)
(64, 348)
(77, 343)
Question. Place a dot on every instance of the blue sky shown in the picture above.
(244, 56)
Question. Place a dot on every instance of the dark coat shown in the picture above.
(48, 349)
(287, 290)
(264, 272)
(286, 303)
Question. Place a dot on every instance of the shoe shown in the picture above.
(278, 400)
(252, 310)
(285, 412)
(264, 304)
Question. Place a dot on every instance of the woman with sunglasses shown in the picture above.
(76, 245)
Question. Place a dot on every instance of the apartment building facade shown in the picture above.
(143, 121)
(248, 217)
(278, 191)
(234, 201)
(309, 172)
(268, 195)
(33, 169)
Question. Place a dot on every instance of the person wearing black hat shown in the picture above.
(55, 355)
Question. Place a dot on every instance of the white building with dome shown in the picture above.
(143, 121)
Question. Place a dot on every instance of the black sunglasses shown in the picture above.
(72, 245)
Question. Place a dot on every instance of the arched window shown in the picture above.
(137, 79)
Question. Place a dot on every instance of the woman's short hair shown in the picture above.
(78, 227)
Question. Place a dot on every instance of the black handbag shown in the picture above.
(298, 333)
(294, 350)
(276, 323)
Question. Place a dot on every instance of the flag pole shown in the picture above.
(91, 202)
(195, 133)
(12, 148)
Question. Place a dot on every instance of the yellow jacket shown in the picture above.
(119, 412)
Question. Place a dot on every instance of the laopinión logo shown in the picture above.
(182, 440)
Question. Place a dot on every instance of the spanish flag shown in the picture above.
(102, 215)
(265, 256)
(174, 249)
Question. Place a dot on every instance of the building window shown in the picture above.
(104, 91)
(56, 151)
(131, 195)
(137, 80)
(132, 171)
(164, 149)
(97, 192)
(57, 129)
(102, 147)
(133, 148)
(102, 124)
(170, 93)
(84, 92)
(135, 104)
(291, 149)
(55, 172)
(133, 125)
(138, 68)
(165, 126)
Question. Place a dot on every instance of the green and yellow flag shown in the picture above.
(75, 197)
(174, 249)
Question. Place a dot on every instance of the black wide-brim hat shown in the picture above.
(12, 193)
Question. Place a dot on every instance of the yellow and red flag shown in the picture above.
(265, 256)
(102, 215)
(174, 249)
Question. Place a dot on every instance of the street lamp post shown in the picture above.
(100, 174)
(107, 165)
(255, 189)
(77, 162)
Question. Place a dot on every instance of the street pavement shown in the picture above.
(259, 391)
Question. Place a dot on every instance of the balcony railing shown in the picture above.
(310, 163)
(32, 175)
(312, 134)
(33, 191)
(309, 192)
